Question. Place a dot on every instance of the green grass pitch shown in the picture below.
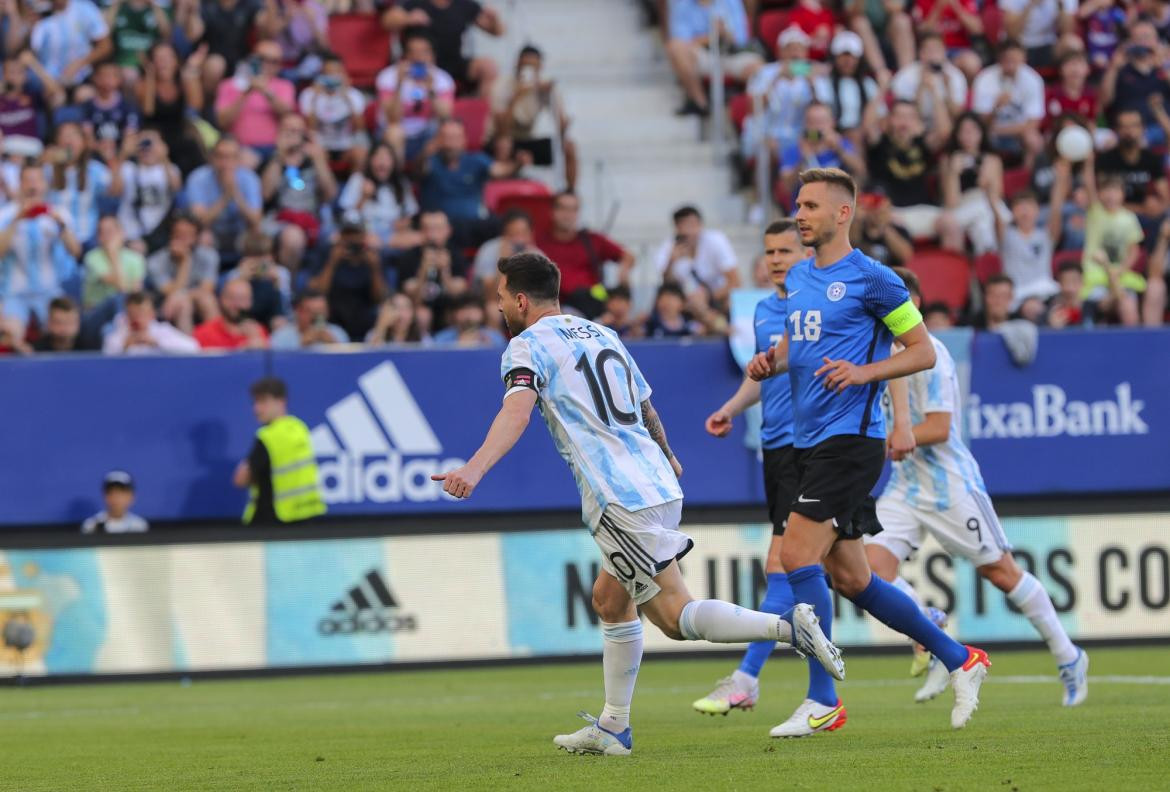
(492, 729)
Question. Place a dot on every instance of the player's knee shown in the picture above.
(849, 583)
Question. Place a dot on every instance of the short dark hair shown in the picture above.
(927, 35)
(1069, 266)
(910, 280)
(670, 288)
(62, 304)
(1007, 45)
(184, 216)
(139, 298)
(306, 294)
(998, 277)
(269, 386)
(104, 62)
(937, 307)
(620, 291)
(1125, 111)
(329, 56)
(1026, 194)
(781, 226)
(416, 33)
(532, 274)
(565, 194)
(528, 49)
(683, 212)
(834, 177)
(512, 215)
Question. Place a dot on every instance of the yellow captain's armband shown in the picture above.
(903, 318)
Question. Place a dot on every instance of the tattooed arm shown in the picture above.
(657, 432)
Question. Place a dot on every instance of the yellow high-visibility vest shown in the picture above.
(296, 492)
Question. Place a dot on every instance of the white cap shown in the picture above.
(792, 35)
(847, 42)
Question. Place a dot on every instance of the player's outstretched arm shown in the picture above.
(719, 422)
(508, 426)
(657, 432)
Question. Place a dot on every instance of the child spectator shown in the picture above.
(1026, 249)
(937, 316)
(111, 269)
(116, 518)
(669, 318)
(467, 327)
(1113, 237)
(109, 115)
(1068, 308)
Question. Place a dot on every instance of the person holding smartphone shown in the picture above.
(414, 95)
(310, 326)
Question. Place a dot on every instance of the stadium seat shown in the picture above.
(770, 25)
(1062, 257)
(992, 23)
(987, 265)
(537, 207)
(739, 108)
(1016, 180)
(473, 113)
(945, 276)
(362, 43)
(499, 190)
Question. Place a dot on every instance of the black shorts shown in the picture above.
(834, 481)
(779, 485)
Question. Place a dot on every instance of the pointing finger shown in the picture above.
(438, 477)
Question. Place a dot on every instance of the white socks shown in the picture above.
(721, 622)
(904, 586)
(1031, 598)
(621, 657)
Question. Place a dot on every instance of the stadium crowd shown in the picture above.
(183, 175)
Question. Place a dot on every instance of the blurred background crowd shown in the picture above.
(185, 175)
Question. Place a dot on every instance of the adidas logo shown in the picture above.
(368, 607)
(639, 587)
(376, 444)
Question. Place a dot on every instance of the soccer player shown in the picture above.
(939, 489)
(741, 690)
(596, 404)
(844, 310)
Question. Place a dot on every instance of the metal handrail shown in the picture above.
(718, 133)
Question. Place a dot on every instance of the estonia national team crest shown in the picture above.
(835, 291)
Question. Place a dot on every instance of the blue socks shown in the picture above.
(896, 610)
(809, 586)
(778, 600)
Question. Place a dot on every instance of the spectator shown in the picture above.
(690, 52)
(887, 31)
(1147, 191)
(1113, 237)
(400, 322)
(14, 26)
(1104, 23)
(225, 198)
(38, 249)
(1068, 308)
(937, 316)
(297, 184)
(525, 103)
(959, 23)
(1135, 77)
(62, 332)
(24, 107)
(900, 161)
(233, 328)
(352, 279)
(435, 272)
(454, 180)
(415, 95)
(1037, 25)
(335, 111)
(468, 328)
(271, 283)
(151, 184)
(932, 82)
(820, 146)
(311, 326)
(702, 262)
(111, 269)
(818, 23)
(228, 27)
(169, 96)
(972, 187)
(1010, 97)
(877, 234)
(447, 22)
(1026, 250)
(619, 313)
(78, 182)
(69, 41)
(515, 237)
(579, 254)
(137, 26)
(249, 105)
(848, 90)
(1071, 94)
(998, 298)
(116, 518)
(301, 28)
(136, 331)
(188, 28)
(782, 90)
(184, 273)
(384, 200)
(669, 318)
(109, 115)
(1062, 183)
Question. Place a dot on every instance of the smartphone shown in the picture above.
(36, 210)
(800, 68)
(418, 71)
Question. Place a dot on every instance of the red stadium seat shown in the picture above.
(987, 265)
(537, 207)
(1062, 257)
(473, 113)
(1016, 180)
(945, 276)
(770, 25)
(992, 23)
(362, 43)
(498, 190)
(739, 108)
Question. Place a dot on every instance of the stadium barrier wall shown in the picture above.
(384, 421)
(284, 604)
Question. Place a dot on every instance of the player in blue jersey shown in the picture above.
(596, 404)
(741, 690)
(940, 489)
(844, 311)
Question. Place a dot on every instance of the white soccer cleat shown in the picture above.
(728, 695)
(593, 739)
(966, 680)
(809, 639)
(1075, 676)
(937, 679)
(810, 718)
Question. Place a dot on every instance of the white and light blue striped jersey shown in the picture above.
(37, 262)
(63, 37)
(933, 477)
(81, 204)
(591, 393)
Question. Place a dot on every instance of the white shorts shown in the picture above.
(637, 545)
(970, 529)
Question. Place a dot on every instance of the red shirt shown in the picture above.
(1058, 103)
(215, 334)
(579, 270)
(953, 33)
(818, 24)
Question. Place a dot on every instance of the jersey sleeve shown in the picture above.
(886, 298)
(520, 368)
